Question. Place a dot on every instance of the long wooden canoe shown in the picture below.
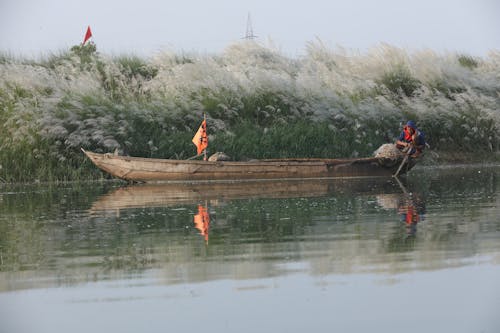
(140, 169)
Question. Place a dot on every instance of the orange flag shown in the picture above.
(200, 139)
(88, 34)
(202, 221)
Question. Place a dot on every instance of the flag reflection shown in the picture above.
(202, 221)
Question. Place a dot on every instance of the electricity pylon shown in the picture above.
(249, 34)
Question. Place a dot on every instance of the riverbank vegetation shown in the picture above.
(258, 102)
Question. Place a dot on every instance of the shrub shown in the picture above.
(467, 61)
(400, 81)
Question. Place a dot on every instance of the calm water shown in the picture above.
(356, 255)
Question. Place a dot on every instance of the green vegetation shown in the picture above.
(259, 104)
(400, 81)
(86, 53)
(468, 61)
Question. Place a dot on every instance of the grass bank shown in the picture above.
(259, 104)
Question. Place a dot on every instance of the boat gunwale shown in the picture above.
(287, 161)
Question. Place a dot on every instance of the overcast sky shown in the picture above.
(143, 27)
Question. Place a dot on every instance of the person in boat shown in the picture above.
(411, 138)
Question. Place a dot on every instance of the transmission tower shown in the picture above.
(249, 34)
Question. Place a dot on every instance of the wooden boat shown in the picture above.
(138, 169)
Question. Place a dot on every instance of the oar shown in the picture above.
(401, 186)
(404, 161)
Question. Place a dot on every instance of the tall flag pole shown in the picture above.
(200, 139)
(88, 34)
(206, 137)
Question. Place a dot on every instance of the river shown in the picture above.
(420, 254)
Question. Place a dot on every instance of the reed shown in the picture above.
(259, 104)
(400, 81)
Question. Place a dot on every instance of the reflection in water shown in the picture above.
(202, 221)
(65, 235)
(172, 194)
(412, 210)
(411, 207)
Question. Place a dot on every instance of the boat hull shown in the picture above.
(161, 170)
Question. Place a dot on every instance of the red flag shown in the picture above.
(202, 221)
(200, 139)
(88, 34)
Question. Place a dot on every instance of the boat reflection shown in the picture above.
(171, 194)
(205, 196)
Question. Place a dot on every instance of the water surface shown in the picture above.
(422, 254)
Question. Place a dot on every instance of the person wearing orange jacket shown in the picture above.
(411, 138)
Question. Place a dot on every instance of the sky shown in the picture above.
(33, 28)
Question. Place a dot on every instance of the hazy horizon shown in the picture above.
(34, 28)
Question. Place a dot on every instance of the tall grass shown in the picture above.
(259, 104)
(297, 139)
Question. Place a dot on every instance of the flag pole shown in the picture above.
(205, 150)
